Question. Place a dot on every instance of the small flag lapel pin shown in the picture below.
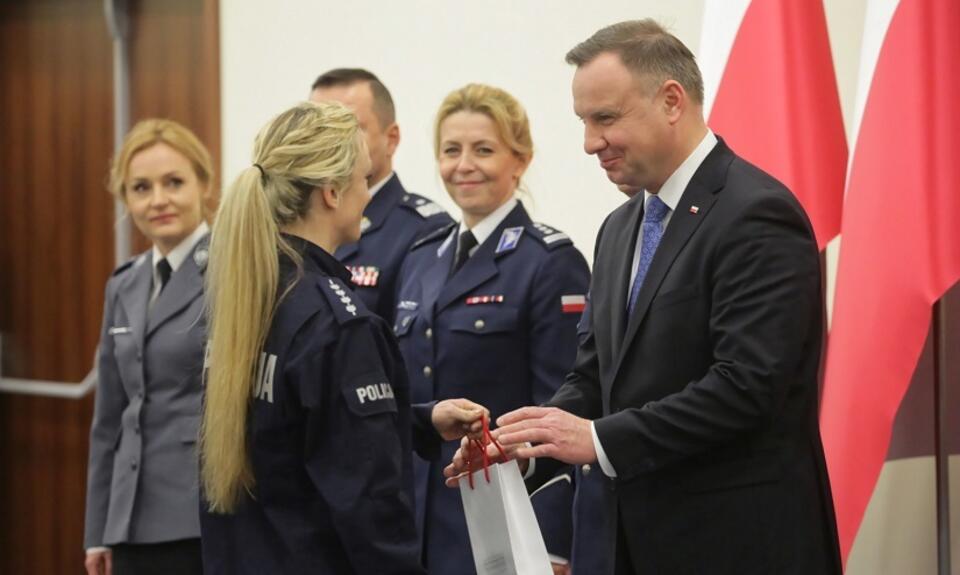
(694, 209)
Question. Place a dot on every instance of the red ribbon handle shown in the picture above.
(481, 444)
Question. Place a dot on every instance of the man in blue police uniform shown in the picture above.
(394, 218)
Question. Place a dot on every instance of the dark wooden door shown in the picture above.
(56, 232)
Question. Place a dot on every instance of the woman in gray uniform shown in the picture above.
(141, 514)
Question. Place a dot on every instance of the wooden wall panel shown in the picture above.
(175, 69)
(56, 232)
(56, 244)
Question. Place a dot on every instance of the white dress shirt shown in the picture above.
(175, 257)
(482, 229)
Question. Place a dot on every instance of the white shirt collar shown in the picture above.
(672, 189)
(482, 229)
(376, 187)
(176, 256)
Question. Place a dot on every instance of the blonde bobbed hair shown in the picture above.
(306, 147)
(507, 114)
(153, 131)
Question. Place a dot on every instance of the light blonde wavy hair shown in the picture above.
(507, 114)
(148, 133)
(306, 147)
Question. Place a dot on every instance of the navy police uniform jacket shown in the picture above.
(392, 221)
(329, 439)
(501, 332)
(593, 547)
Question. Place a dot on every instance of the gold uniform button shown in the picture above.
(585, 469)
(428, 333)
(427, 371)
(479, 324)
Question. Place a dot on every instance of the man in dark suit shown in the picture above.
(394, 218)
(696, 386)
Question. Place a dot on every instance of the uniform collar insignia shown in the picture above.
(200, 257)
(509, 239)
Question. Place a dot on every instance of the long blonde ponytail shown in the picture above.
(308, 146)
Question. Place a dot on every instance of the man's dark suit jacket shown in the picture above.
(705, 399)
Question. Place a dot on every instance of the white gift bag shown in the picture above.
(504, 533)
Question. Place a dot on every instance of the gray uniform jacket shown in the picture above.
(142, 483)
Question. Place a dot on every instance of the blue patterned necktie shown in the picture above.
(652, 229)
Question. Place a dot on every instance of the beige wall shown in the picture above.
(422, 49)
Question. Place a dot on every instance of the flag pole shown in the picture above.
(941, 420)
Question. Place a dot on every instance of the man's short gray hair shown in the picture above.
(646, 49)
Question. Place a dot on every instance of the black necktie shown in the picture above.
(465, 243)
(164, 270)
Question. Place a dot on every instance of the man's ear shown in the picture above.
(393, 138)
(674, 100)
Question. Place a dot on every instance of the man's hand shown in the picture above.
(560, 568)
(553, 432)
(556, 433)
(99, 563)
(454, 418)
(469, 457)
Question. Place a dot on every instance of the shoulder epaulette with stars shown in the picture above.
(342, 300)
(421, 205)
(551, 238)
(441, 232)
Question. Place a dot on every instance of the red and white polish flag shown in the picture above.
(770, 92)
(901, 237)
(574, 303)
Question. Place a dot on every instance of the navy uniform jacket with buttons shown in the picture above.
(142, 473)
(393, 220)
(496, 333)
(593, 548)
(329, 438)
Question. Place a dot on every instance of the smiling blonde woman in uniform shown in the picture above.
(141, 514)
(487, 309)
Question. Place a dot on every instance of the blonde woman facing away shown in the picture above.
(306, 434)
(141, 514)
